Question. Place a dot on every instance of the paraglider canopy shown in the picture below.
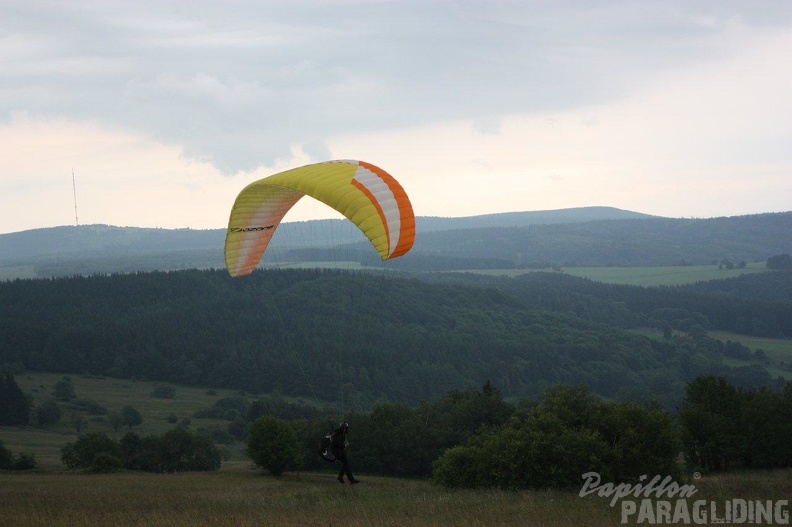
(365, 194)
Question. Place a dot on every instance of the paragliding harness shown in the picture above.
(330, 443)
(325, 452)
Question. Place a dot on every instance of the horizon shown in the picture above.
(341, 218)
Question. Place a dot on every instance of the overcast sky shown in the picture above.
(166, 110)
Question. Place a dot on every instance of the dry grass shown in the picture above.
(240, 497)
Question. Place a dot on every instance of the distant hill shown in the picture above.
(625, 242)
(583, 236)
(525, 219)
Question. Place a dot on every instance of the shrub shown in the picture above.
(6, 457)
(105, 462)
(64, 391)
(47, 412)
(568, 434)
(83, 453)
(176, 451)
(272, 444)
(8, 461)
(130, 417)
(163, 391)
(458, 467)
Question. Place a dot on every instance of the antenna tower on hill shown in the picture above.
(74, 188)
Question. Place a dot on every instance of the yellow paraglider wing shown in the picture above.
(370, 197)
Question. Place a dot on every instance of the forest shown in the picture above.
(590, 236)
(360, 338)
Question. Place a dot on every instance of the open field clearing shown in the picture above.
(19, 272)
(776, 349)
(643, 276)
(243, 497)
(112, 394)
(657, 276)
(240, 497)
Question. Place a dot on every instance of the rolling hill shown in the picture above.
(593, 236)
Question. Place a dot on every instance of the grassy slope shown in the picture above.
(657, 276)
(644, 276)
(776, 349)
(237, 496)
(112, 394)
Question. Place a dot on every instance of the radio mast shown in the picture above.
(74, 188)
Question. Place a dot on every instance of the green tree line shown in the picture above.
(475, 438)
(362, 338)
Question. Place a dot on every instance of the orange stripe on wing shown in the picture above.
(376, 204)
(406, 236)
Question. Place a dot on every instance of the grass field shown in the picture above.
(776, 349)
(657, 276)
(22, 272)
(237, 494)
(112, 394)
(242, 497)
(645, 276)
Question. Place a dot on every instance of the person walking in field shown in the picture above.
(338, 446)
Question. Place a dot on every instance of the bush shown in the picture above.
(6, 458)
(459, 467)
(176, 451)
(272, 444)
(64, 391)
(568, 434)
(163, 391)
(82, 454)
(8, 461)
(48, 412)
(104, 462)
(182, 450)
(15, 409)
(25, 461)
(130, 417)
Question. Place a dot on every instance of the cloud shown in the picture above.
(242, 85)
(477, 106)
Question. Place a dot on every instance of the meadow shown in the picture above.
(240, 496)
(643, 276)
(660, 276)
(112, 394)
(775, 349)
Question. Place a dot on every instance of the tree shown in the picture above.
(163, 391)
(182, 450)
(48, 412)
(130, 417)
(766, 425)
(6, 458)
(64, 390)
(77, 421)
(710, 420)
(8, 461)
(272, 444)
(94, 452)
(568, 434)
(15, 409)
(115, 420)
(780, 261)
